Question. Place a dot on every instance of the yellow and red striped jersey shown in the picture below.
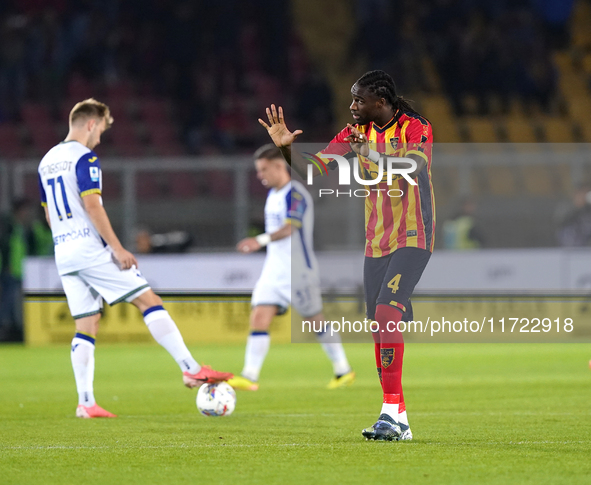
(393, 222)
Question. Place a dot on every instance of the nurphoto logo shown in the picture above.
(386, 172)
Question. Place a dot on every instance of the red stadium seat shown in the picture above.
(125, 139)
(119, 97)
(65, 109)
(112, 184)
(164, 139)
(267, 89)
(121, 90)
(31, 186)
(147, 186)
(172, 150)
(255, 187)
(120, 110)
(34, 114)
(154, 110)
(80, 88)
(162, 133)
(220, 183)
(10, 141)
(185, 185)
(44, 137)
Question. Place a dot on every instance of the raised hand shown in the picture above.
(358, 141)
(277, 128)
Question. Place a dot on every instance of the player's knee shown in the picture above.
(155, 300)
(88, 325)
(147, 300)
(259, 324)
(260, 318)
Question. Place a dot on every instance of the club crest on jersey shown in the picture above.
(387, 357)
(94, 174)
(394, 142)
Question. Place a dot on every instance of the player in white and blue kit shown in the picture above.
(290, 272)
(92, 263)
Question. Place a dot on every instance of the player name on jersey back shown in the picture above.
(55, 167)
(67, 173)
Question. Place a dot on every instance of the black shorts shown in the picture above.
(391, 280)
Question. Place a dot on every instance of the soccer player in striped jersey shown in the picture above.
(92, 263)
(399, 229)
(290, 272)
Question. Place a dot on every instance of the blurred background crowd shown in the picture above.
(190, 78)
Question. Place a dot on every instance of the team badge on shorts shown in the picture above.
(387, 357)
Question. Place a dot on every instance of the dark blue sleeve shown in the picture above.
(88, 174)
(42, 191)
(296, 207)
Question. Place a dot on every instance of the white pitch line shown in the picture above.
(302, 445)
(154, 447)
(443, 413)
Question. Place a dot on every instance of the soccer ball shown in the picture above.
(216, 399)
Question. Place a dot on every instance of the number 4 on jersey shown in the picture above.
(395, 283)
(60, 181)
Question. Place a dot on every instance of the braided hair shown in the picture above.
(382, 85)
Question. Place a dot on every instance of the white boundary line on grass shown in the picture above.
(237, 445)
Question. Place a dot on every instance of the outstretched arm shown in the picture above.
(283, 139)
(251, 244)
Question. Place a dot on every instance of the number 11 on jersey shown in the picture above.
(60, 181)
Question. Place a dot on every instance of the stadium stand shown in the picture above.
(481, 72)
(11, 145)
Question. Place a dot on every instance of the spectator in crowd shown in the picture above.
(203, 56)
(13, 75)
(490, 50)
(21, 235)
(314, 107)
(575, 227)
(462, 232)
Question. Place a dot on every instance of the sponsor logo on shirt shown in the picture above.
(71, 236)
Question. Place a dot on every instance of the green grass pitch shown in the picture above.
(479, 413)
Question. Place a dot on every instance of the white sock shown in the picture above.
(403, 418)
(82, 356)
(391, 410)
(257, 346)
(333, 348)
(166, 333)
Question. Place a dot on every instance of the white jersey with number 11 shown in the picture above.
(68, 172)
